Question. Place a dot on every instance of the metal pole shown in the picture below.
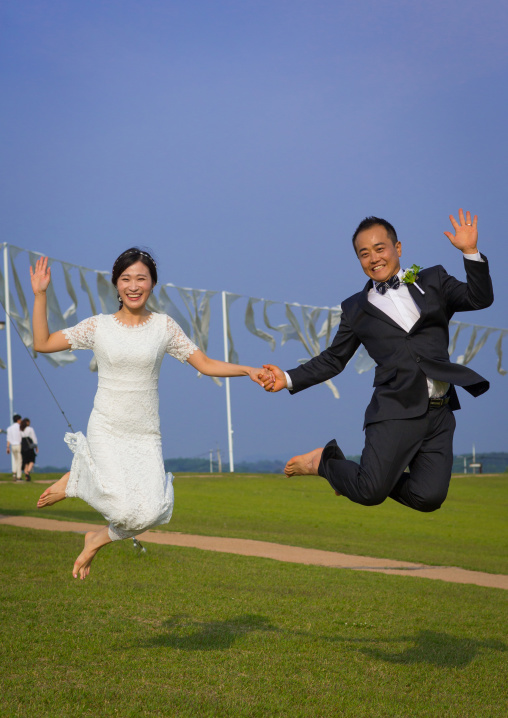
(211, 461)
(228, 394)
(219, 461)
(8, 333)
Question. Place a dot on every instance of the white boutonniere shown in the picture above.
(409, 276)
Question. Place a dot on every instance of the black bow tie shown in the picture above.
(393, 283)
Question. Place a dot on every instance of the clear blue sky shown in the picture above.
(243, 142)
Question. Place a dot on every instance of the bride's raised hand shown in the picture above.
(40, 276)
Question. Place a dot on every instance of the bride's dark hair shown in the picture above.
(130, 257)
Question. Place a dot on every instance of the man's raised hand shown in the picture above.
(275, 379)
(40, 276)
(466, 233)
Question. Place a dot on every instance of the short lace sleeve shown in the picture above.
(82, 336)
(179, 345)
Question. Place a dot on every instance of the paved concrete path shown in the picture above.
(280, 552)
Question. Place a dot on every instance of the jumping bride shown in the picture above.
(118, 467)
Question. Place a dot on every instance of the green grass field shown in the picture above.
(188, 633)
(468, 531)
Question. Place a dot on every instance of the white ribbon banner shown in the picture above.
(311, 326)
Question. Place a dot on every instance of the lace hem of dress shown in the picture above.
(68, 335)
(116, 533)
(134, 326)
(190, 351)
(82, 464)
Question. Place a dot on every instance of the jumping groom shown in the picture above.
(402, 320)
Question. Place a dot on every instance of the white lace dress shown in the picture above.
(118, 467)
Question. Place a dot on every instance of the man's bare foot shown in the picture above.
(305, 464)
(55, 493)
(94, 540)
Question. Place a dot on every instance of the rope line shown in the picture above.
(13, 324)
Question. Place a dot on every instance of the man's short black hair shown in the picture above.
(16, 417)
(369, 222)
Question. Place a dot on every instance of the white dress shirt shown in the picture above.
(14, 434)
(30, 433)
(400, 306)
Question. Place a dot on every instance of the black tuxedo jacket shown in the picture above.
(405, 359)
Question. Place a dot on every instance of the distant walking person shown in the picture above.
(14, 446)
(29, 447)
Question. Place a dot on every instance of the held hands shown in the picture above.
(274, 378)
(260, 376)
(40, 276)
(466, 233)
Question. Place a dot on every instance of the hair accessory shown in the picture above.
(135, 251)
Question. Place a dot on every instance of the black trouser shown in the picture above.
(423, 444)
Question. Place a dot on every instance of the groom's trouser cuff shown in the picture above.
(331, 451)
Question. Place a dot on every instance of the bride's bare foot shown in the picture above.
(304, 464)
(94, 540)
(55, 493)
(85, 558)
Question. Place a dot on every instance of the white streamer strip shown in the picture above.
(195, 315)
